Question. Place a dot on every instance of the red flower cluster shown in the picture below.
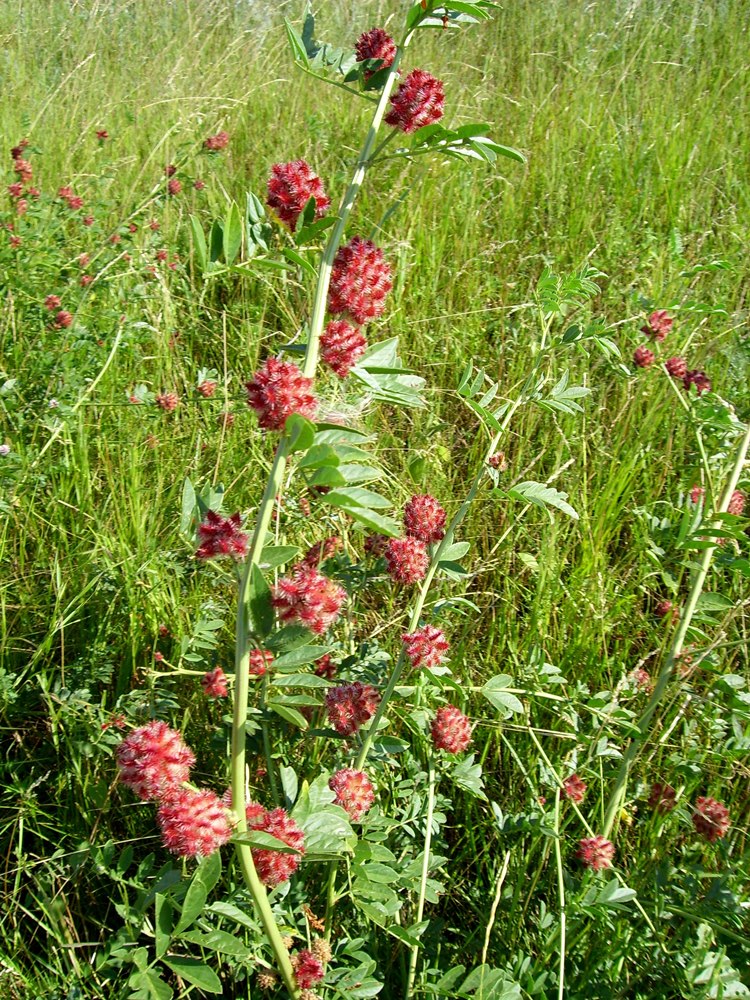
(174, 186)
(341, 346)
(153, 760)
(74, 201)
(736, 503)
(427, 647)
(325, 667)
(167, 401)
(662, 798)
(275, 867)
(309, 598)
(322, 551)
(710, 819)
(424, 519)
(696, 494)
(214, 683)
(193, 823)
(351, 706)
(290, 187)
(221, 536)
(375, 44)
(17, 151)
(406, 560)
(206, 388)
(699, 379)
(63, 319)
(308, 970)
(676, 367)
(52, 302)
(595, 852)
(451, 730)
(360, 281)
(354, 792)
(260, 661)
(498, 461)
(24, 170)
(658, 324)
(217, 142)
(419, 101)
(643, 357)
(574, 788)
(278, 390)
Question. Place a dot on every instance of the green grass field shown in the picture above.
(634, 122)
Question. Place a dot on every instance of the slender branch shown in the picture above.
(665, 674)
(561, 893)
(414, 955)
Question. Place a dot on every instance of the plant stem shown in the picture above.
(561, 893)
(414, 956)
(263, 520)
(665, 674)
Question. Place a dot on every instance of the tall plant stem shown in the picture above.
(414, 955)
(665, 674)
(262, 523)
(561, 893)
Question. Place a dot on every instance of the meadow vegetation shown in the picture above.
(634, 197)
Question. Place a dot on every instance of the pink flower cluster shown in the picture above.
(308, 969)
(424, 519)
(419, 101)
(451, 730)
(595, 853)
(309, 598)
(341, 346)
(354, 792)
(406, 560)
(214, 683)
(260, 661)
(710, 819)
(375, 44)
(275, 867)
(215, 143)
(350, 706)
(662, 798)
(658, 325)
(574, 788)
(360, 281)
(427, 647)
(322, 551)
(278, 390)
(221, 536)
(290, 187)
(155, 762)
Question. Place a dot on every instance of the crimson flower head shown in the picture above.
(659, 324)
(24, 170)
(451, 730)
(676, 367)
(736, 503)
(354, 792)
(153, 760)
(52, 302)
(174, 186)
(290, 187)
(699, 379)
(710, 819)
(217, 142)
(643, 357)
(419, 101)
(63, 319)
(322, 551)
(325, 667)
(574, 788)
(308, 969)
(207, 388)
(341, 346)
(193, 823)
(309, 598)
(214, 684)
(662, 798)
(360, 281)
(696, 493)
(167, 401)
(595, 852)
(424, 519)
(102, 134)
(278, 390)
(17, 151)
(406, 560)
(275, 867)
(350, 706)
(221, 536)
(375, 44)
(15, 190)
(74, 203)
(260, 660)
(427, 647)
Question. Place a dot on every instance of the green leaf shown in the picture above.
(415, 15)
(192, 904)
(615, 893)
(189, 503)
(259, 604)
(195, 972)
(209, 871)
(199, 243)
(290, 715)
(326, 826)
(263, 841)
(163, 922)
(217, 240)
(369, 518)
(541, 496)
(232, 237)
(361, 497)
(300, 261)
(277, 555)
(300, 656)
(149, 985)
(301, 432)
(497, 694)
(297, 45)
(221, 941)
(232, 912)
(468, 775)
(319, 456)
(300, 681)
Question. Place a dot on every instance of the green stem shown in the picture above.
(265, 511)
(414, 956)
(264, 728)
(665, 674)
(561, 893)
